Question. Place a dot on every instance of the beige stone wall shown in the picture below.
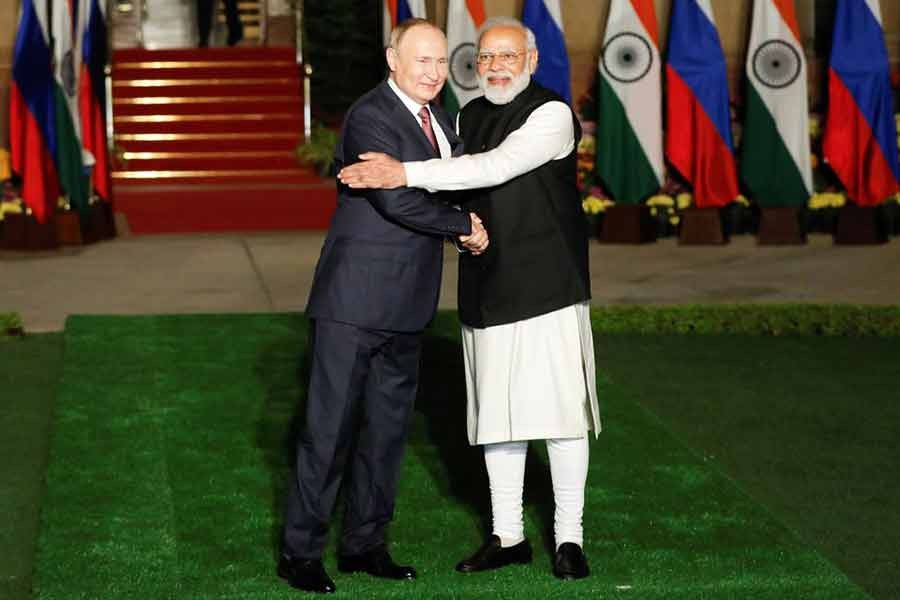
(9, 11)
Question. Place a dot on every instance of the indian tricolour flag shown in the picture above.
(629, 121)
(775, 156)
(69, 152)
(464, 17)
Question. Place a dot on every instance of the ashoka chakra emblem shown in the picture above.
(776, 64)
(462, 66)
(627, 57)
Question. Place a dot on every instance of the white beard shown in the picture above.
(504, 94)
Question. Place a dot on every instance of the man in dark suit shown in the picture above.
(205, 21)
(376, 287)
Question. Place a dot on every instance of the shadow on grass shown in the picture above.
(284, 369)
(460, 472)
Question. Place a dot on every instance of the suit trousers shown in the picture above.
(361, 390)
(205, 9)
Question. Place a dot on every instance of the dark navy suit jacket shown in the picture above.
(380, 266)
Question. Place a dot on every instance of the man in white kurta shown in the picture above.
(531, 378)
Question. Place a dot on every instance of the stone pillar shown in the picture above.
(9, 13)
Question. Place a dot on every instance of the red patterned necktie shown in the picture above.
(425, 117)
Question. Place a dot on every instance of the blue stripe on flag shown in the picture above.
(33, 73)
(553, 59)
(695, 53)
(859, 57)
(403, 11)
(94, 53)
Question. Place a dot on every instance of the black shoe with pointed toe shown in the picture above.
(570, 562)
(493, 556)
(305, 574)
(377, 563)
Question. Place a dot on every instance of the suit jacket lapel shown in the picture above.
(408, 123)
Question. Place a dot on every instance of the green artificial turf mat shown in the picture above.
(29, 375)
(169, 461)
(810, 426)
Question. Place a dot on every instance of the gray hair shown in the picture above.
(530, 42)
(400, 30)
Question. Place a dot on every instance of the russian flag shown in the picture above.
(544, 18)
(32, 112)
(860, 140)
(698, 135)
(92, 94)
(397, 11)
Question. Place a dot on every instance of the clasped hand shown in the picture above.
(477, 241)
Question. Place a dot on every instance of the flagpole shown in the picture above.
(50, 38)
(107, 81)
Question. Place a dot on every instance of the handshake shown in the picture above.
(477, 241)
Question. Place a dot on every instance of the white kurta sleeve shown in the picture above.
(548, 134)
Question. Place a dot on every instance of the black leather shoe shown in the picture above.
(377, 563)
(570, 562)
(305, 574)
(493, 556)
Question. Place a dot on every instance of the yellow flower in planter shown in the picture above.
(661, 200)
(13, 207)
(684, 200)
(674, 220)
(587, 144)
(592, 205)
(742, 200)
(814, 126)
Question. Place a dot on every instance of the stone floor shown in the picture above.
(263, 272)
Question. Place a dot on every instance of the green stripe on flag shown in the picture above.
(451, 104)
(767, 168)
(622, 164)
(69, 156)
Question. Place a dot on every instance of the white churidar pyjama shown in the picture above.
(505, 463)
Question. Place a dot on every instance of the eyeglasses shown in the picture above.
(507, 58)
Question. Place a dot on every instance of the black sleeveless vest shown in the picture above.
(537, 260)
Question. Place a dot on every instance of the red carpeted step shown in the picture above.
(204, 70)
(155, 88)
(174, 210)
(262, 54)
(189, 105)
(246, 123)
(221, 160)
(209, 142)
(234, 176)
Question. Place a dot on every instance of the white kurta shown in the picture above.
(532, 379)
(536, 378)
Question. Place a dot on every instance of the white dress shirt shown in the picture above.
(414, 107)
(548, 134)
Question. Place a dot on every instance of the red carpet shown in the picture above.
(207, 138)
